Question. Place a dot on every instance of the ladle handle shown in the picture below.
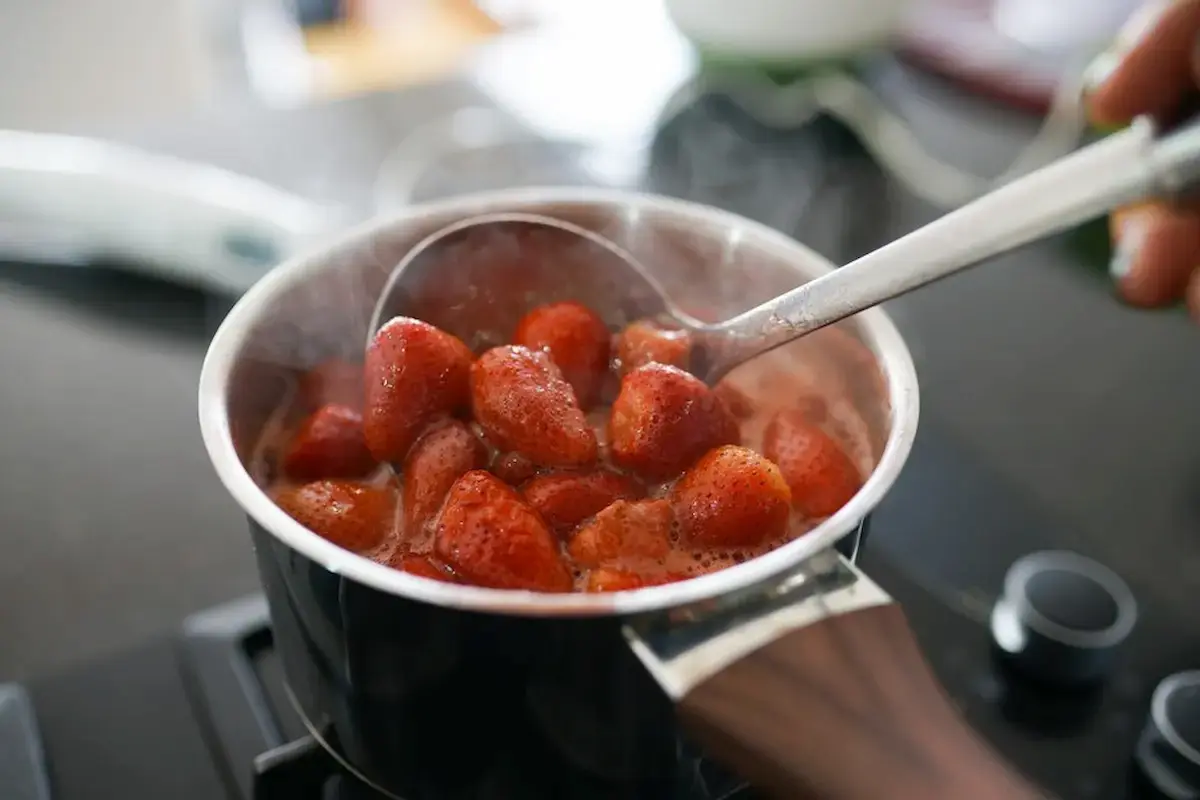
(1128, 166)
(846, 709)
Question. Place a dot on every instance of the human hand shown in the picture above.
(1154, 68)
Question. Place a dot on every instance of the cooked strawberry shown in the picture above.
(616, 580)
(566, 499)
(333, 381)
(732, 497)
(738, 402)
(490, 537)
(646, 342)
(664, 419)
(423, 566)
(329, 444)
(352, 515)
(439, 458)
(523, 404)
(638, 529)
(821, 476)
(576, 340)
(414, 373)
(513, 468)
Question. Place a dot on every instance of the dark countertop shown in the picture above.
(113, 526)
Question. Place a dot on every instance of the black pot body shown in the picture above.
(431, 703)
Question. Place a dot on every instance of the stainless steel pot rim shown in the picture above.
(227, 344)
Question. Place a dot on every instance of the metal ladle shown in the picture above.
(1135, 164)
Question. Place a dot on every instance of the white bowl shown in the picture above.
(789, 30)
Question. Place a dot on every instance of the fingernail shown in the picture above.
(1099, 71)
(1131, 235)
(1139, 24)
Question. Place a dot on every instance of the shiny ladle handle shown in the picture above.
(1134, 164)
(846, 710)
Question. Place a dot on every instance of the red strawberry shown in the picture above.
(351, 515)
(738, 402)
(625, 529)
(576, 340)
(439, 458)
(513, 468)
(424, 567)
(524, 405)
(615, 580)
(334, 381)
(646, 342)
(566, 499)
(733, 497)
(821, 476)
(329, 444)
(414, 373)
(664, 419)
(490, 537)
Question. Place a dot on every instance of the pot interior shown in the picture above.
(713, 264)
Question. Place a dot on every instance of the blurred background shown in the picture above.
(158, 156)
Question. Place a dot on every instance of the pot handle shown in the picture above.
(816, 688)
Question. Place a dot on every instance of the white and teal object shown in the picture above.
(789, 35)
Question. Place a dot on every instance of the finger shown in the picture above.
(1157, 252)
(1193, 295)
(1149, 70)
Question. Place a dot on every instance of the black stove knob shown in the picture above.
(1062, 617)
(1169, 749)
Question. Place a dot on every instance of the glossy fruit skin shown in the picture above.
(645, 342)
(821, 476)
(351, 515)
(624, 531)
(566, 499)
(424, 567)
(524, 405)
(732, 497)
(441, 456)
(328, 444)
(664, 419)
(513, 468)
(615, 580)
(488, 535)
(414, 373)
(575, 339)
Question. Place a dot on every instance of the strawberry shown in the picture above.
(329, 444)
(821, 476)
(414, 373)
(576, 340)
(513, 468)
(333, 381)
(664, 419)
(640, 529)
(736, 401)
(732, 497)
(616, 580)
(422, 566)
(523, 404)
(566, 499)
(435, 462)
(490, 537)
(351, 515)
(645, 342)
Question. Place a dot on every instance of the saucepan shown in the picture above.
(793, 668)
